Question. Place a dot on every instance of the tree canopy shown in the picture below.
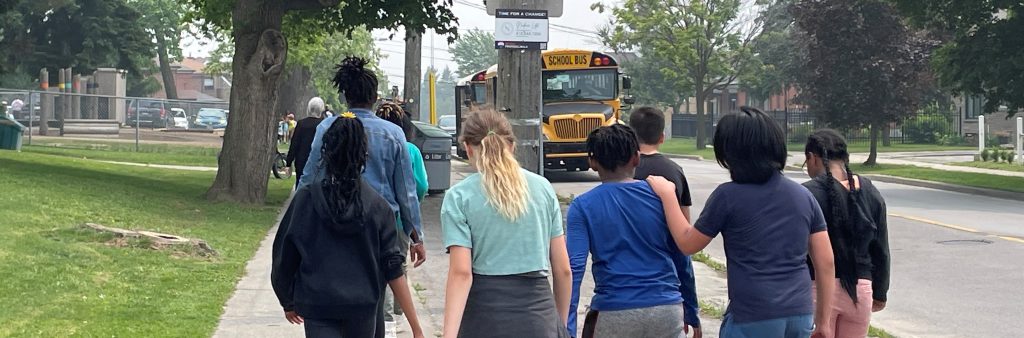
(776, 53)
(474, 51)
(983, 55)
(863, 64)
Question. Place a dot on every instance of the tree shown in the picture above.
(650, 89)
(163, 22)
(474, 51)
(83, 34)
(863, 64)
(776, 53)
(700, 43)
(982, 56)
(258, 30)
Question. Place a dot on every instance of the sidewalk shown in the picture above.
(919, 159)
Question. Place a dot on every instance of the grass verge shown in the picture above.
(996, 182)
(688, 146)
(991, 165)
(171, 154)
(60, 281)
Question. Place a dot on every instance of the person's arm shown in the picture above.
(460, 279)
(577, 239)
(688, 289)
(293, 150)
(561, 272)
(312, 168)
(400, 287)
(419, 171)
(879, 250)
(404, 188)
(394, 273)
(688, 239)
(824, 279)
(285, 260)
(457, 238)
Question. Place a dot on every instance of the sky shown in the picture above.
(574, 29)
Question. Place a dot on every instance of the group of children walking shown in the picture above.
(803, 261)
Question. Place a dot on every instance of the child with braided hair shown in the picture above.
(337, 246)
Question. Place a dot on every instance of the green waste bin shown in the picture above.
(436, 146)
(10, 133)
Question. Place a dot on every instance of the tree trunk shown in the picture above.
(886, 136)
(873, 156)
(295, 90)
(413, 73)
(165, 67)
(259, 60)
(701, 120)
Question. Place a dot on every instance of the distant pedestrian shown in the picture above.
(857, 228)
(302, 137)
(328, 112)
(394, 114)
(503, 229)
(337, 247)
(770, 226)
(16, 106)
(649, 125)
(291, 125)
(282, 130)
(640, 288)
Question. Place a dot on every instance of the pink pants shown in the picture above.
(850, 320)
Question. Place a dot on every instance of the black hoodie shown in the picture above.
(329, 265)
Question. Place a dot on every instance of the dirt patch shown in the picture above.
(180, 247)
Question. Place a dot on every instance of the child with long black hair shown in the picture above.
(770, 225)
(855, 213)
(337, 247)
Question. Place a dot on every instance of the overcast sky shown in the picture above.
(575, 29)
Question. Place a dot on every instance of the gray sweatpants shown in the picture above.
(664, 321)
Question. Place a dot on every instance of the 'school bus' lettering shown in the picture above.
(567, 61)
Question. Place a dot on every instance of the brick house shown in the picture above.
(193, 84)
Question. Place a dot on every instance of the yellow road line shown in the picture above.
(923, 220)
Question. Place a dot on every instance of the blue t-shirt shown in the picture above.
(636, 263)
(766, 228)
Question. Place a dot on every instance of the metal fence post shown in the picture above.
(981, 133)
(1020, 140)
(31, 114)
(137, 118)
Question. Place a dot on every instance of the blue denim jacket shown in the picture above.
(388, 167)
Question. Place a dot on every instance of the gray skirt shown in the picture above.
(515, 306)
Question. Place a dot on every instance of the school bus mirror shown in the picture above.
(629, 100)
(627, 82)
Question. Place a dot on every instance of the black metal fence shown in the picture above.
(929, 127)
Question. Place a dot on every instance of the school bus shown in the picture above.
(581, 90)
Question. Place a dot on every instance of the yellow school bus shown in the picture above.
(470, 97)
(582, 90)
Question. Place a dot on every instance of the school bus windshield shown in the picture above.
(583, 84)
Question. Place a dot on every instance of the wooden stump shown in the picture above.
(159, 240)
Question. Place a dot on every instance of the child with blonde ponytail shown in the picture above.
(503, 228)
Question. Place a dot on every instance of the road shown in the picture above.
(956, 268)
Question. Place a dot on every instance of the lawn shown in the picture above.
(688, 146)
(60, 280)
(174, 154)
(997, 182)
(992, 165)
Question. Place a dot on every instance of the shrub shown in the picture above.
(799, 133)
(997, 155)
(926, 129)
(986, 155)
(952, 140)
(1010, 157)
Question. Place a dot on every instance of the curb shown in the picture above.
(685, 157)
(1010, 195)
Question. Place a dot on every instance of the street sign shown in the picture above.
(521, 29)
(554, 7)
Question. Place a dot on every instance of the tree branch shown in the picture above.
(299, 5)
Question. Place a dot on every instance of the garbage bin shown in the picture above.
(436, 146)
(10, 133)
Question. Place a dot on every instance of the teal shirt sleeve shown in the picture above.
(418, 169)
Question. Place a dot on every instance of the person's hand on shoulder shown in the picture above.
(661, 186)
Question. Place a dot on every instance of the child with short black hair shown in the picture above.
(621, 223)
(649, 125)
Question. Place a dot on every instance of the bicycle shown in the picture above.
(280, 167)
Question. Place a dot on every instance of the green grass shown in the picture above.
(62, 281)
(992, 165)
(710, 262)
(189, 155)
(878, 333)
(688, 146)
(996, 182)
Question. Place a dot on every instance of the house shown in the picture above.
(195, 85)
(998, 125)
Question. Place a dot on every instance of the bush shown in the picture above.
(997, 155)
(926, 129)
(1010, 157)
(952, 140)
(986, 155)
(799, 133)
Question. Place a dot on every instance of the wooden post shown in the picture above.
(76, 100)
(519, 95)
(46, 106)
(62, 101)
(413, 58)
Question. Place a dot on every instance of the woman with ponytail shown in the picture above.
(337, 246)
(503, 229)
(855, 213)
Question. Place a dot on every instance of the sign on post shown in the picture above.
(521, 29)
(554, 7)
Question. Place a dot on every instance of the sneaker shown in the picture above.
(390, 329)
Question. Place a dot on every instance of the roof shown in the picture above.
(191, 64)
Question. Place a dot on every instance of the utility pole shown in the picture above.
(413, 54)
(519, 94)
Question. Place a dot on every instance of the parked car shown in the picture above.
(211, 118)
(447, 123)
(148, 113)
(178, 119)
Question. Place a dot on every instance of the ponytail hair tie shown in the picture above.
(491, 132)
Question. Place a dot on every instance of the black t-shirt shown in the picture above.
(659, 165)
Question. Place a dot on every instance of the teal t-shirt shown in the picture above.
(501, 247)
(419, 171)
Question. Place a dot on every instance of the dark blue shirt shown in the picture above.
(766, 229)
(636, 264)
